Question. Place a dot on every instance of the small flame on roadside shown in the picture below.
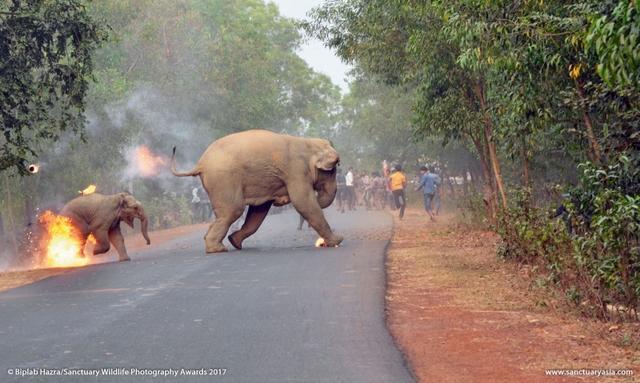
(146, 162)
(88, 190)
(321, 243)
(33, 168)
(62, 242)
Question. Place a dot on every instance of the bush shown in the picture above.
(530, 235)
(607, 246)
(472, 209)
(593, 255)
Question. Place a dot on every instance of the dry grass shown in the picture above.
(459, 314)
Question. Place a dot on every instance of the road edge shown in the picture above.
(406, 361)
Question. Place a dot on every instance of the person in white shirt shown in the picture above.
(351, 193)
(195, 205)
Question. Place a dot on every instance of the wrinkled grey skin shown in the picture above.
(261, 168)
(101, 215)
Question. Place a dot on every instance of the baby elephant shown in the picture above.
(100, 215)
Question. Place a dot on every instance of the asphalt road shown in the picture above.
(278, 311)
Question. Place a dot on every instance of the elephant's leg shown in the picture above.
(102, 242)
(117, 240)
(218, 229)
(306, 203)
(255, 217)
(84, 234)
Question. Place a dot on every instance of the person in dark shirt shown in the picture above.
(429, 185)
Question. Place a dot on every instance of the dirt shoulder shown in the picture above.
(461, 315)
(134, 241)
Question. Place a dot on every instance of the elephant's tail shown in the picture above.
(191, 173)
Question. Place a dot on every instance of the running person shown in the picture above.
(351, 192)
(397, 183)
(429, 185)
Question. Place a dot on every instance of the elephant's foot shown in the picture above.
(236, 240)
(333, 241)
(218, 248)
(124, 259)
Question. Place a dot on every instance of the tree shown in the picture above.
(172, 73)
(615, 37)
(46, 51)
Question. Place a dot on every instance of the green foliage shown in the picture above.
(168, 73)
(551, 84)
(471, 210)
(530, 236)
(615, 37)
(168, 210)
(598, 263)
(607, 211)
(46, 52)
(597, 183)
(231, 65)
(375, 124)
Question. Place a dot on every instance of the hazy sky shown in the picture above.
(319, 58)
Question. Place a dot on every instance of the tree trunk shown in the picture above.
(491, 146)
(445, 176)
(10, 219)
(465, 185)
(593, 142)
(474, 180)
(525, 164)
(488, 190)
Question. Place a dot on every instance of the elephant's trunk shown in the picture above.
(326, 196)
(144, 226)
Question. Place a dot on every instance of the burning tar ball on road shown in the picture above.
(321, 243)
(33, 168)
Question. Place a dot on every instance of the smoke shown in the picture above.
(154, 123)
(161, 117)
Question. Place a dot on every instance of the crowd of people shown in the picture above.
(379, 190)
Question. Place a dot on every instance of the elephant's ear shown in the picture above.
(327, 160)
(123, 205)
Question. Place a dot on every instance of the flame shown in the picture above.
(321, 243)
(63, 242)
(88, 190)
(89, 245)
(146, 162)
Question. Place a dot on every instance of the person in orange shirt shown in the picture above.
(397, 183)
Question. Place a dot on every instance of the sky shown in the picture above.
(318, 57)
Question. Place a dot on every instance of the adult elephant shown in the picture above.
(101, 215)
(260, 168)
